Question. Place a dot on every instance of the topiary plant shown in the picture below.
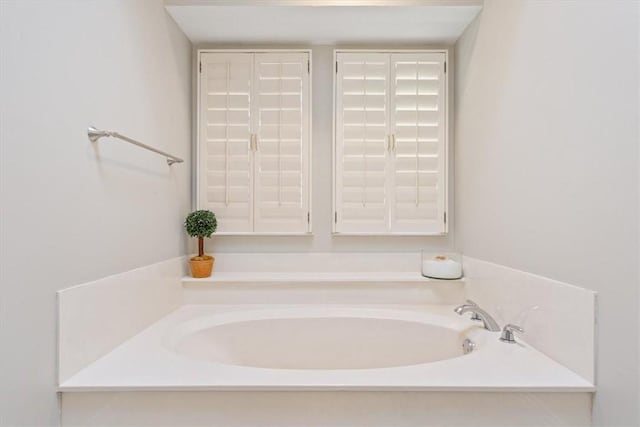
(201, 224)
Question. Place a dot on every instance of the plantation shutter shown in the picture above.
(281, 123)
(390, 152)
(417, 109)
(225, 169)
(361, 163)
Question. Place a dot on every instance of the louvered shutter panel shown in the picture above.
(282, 155)
(417, 109)
(225, 160)
(361, 143)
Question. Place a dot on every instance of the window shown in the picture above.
(390, 166)
(254, 140)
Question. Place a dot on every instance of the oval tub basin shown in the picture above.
(326, 343)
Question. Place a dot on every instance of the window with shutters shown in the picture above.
(254, 140)
(390, 166)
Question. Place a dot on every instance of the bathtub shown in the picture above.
(322, 347)
(331, 348)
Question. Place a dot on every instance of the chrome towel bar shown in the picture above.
(95, 134)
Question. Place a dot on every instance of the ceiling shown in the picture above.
(323, 22)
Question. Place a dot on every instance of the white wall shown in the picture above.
(72, 211)
(322, 239)
(547, 162)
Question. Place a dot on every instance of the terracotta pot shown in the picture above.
(201, 266)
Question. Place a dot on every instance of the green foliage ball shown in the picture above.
(201, 223)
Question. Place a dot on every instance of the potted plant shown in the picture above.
(201, 224)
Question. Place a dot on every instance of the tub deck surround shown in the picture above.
(250, 293)
(194, 366)
(151, 361)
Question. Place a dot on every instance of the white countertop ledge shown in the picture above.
(146, 363)
(315, 277)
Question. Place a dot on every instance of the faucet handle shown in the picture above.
(470, 302)
(508, 333)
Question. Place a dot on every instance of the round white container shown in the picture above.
(441, 265)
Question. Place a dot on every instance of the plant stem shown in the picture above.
(200, 246)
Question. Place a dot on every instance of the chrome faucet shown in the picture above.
(478, 314)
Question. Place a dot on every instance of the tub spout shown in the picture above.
(489, 323)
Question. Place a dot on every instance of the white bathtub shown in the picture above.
(305, 349)
(321, 347)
